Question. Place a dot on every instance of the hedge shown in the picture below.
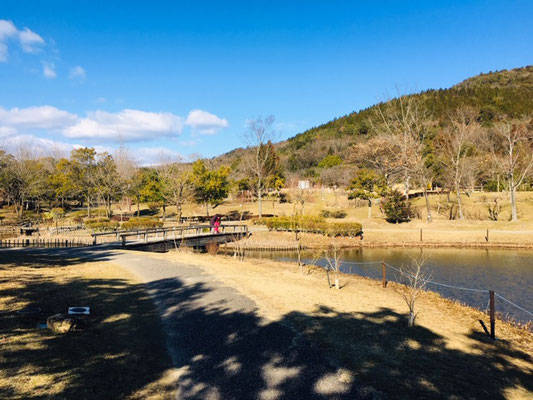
(141, 223)
(314, 225)
(333, 214)
(102, 225)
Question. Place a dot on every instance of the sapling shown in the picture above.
(415, 278)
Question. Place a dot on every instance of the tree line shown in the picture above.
(90, 179)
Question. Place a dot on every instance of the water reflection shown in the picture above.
(507, 272)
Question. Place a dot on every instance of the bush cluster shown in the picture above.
(333, 214)
(96, 212)
(142, 223)
(101, 226)
(89, 221)
(314, 225)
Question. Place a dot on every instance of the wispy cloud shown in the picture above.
(205, 123)
(29, 41)
(49, 70)
(77, 73)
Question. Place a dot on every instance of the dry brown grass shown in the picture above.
(120, 355)
(363, 328)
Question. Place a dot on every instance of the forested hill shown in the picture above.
(508, 92)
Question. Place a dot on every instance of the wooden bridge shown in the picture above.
(162, 239)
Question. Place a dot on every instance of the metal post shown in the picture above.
(384, 274)
(492, 318)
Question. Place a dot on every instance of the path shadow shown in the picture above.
(42, 257)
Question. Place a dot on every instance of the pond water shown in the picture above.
(508, 272)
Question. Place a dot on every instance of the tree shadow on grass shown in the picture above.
(120, 352)
(228, 353)
(403, 362)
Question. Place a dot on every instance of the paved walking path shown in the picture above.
(222, 348)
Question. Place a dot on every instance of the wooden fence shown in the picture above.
(21, 242)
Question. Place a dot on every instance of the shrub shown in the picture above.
(101, 226)
(397, 208)
(96, 212)
(89, 221)
(333, 214)
(141, 223)
(314, 225)
(154, 206)
(330, 161)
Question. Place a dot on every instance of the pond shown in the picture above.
(508, 272)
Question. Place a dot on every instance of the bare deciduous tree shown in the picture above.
(176, 183)
(416, 278)
(515, 140)
(456, 143)
(404, 123)
(259, 132)
(333, 258)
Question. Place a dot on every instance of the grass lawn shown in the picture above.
(120, 355)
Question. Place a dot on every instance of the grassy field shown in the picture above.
(363, 329)
(121, 354)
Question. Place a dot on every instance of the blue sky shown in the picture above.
(182, 78)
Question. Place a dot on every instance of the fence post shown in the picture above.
(384, 274)
(492, 320)
(487, 237)
(420, 234)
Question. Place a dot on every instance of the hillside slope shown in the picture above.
(507, 92)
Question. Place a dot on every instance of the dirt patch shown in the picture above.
(120, 354)
(363, 328)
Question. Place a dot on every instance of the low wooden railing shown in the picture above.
(175, 232)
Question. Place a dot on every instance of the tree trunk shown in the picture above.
(369, 208)
(411, 320)
(88, 207)
(406, 184)
(514, 215)
(138, 207)
(259, 195)
(459, 204)
(428, 206)
(207, 208)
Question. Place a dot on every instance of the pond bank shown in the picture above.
(269, 240)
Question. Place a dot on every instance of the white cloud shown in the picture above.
(155, 155)
(29, 41)
(37, 146)
(77, 73)
(49, 70)
(43, 117)
(7, 29)
(205, 122)
(127, 125)
(7, 131)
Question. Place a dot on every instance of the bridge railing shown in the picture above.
(174, 232)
